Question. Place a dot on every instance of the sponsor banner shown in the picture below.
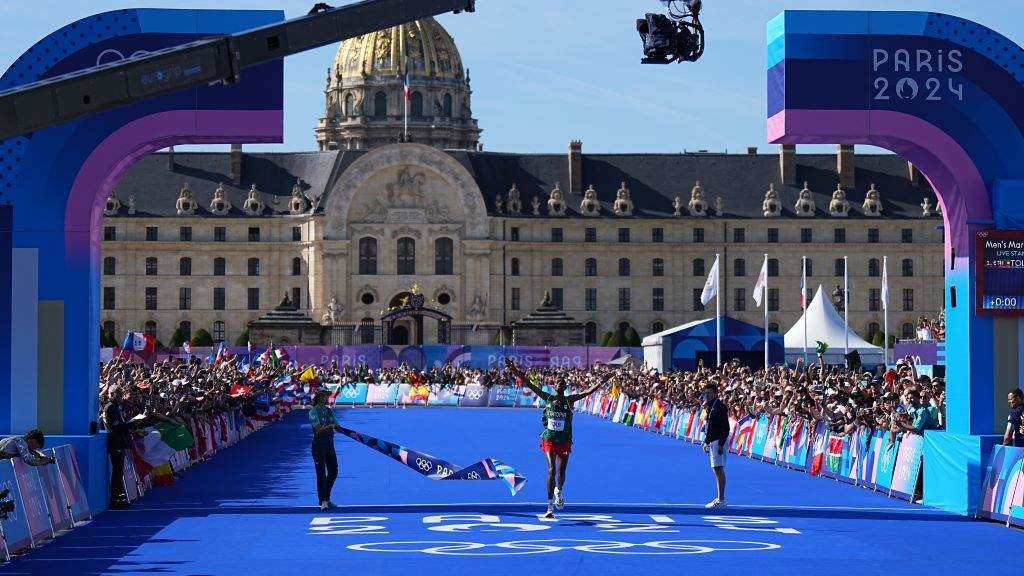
(67, 464)
(502, 396)
(476, 396)
(382, 393)
(56, 500)
(760, 436)
(908, 466)
(923, 353)
(886, 462)
(350, 394)
(15, 528)
(1002, 494)
(444, 396)
(33, 501)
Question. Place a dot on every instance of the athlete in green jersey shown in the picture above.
(556, 437)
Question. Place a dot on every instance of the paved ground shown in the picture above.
(635, 501)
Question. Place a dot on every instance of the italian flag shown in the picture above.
(159, 445)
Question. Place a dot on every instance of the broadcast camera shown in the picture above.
(6, 504)
(677, 37)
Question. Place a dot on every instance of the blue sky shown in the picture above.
(547, 71)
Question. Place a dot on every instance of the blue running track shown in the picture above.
(634, 503)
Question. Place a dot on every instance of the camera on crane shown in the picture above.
(677, 37)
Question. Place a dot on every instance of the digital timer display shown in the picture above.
(1000, 272)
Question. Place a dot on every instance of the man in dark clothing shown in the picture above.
(1014, 435)
(325, 459)
(119, 439)
(716, 436)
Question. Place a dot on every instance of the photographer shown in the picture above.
(26, 447)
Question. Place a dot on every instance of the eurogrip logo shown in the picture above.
(917, 75)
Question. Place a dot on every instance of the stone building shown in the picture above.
(212, 240)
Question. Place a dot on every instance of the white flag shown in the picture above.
(762, 281)
(711, 285)
(885, 285)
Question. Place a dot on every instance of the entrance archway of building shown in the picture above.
(401, 333)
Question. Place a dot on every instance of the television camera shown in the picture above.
(676, 37)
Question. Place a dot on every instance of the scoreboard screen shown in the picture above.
(999, 275)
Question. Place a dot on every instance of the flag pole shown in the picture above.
(846, 304)
(803, 300)
(764, 296)
(718, 311)
(885, 310)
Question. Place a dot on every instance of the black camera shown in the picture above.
(677, 37)
(6, 504)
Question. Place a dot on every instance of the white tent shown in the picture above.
(826, 325)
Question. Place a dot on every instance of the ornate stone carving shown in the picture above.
(839, 206)
(872, 203)
(926, 208)
(771, 207)
(299, 203)
(590, 206)
(438, 212)
(332, 314)
(113, 205)
(515, 204)
(131, 204)
(499, 204)
(678, 206)
(556, 201)
(253, 205)
(720, 206)
(536, 206)
(805, 203)
(623, 202)
(478, 309)
(220, 204)
(407, 190)
(375, 210)
(406, 231)
(697, 205)
(186, 204)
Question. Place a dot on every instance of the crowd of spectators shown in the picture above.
(929, 329)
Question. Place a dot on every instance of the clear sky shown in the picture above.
(547, 71)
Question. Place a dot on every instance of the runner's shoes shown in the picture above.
(559, 499)
(716, 503)
(551, 510)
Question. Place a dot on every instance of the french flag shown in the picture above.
(138, 342)
(221, 354)
(408, 89)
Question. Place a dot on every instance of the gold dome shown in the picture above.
(427, 47)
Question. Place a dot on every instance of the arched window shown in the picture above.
(186, 329)
(624, 326)
(874, 269)
(366, 331)
(623, 266)
(406, 256)
(839, 266)
(773, 267)
(657, 267)
(109, 266)
(657, 327)
(447, 105)
(151, 266)
(739, 267)
(873, 328)
(907, 331)
(444, 256)
(296, 266)
(698, 267)
(349, 105)
(368, 256)
(907, 267)
(416, 108)
(220, 266)
(109, 329)
(590, 267)
(219, 331)
(150, 328)
(254, 266)
(515, 267)
(380, 105)
(185, 266)
(773, 327)
(557, 267)
(590, 333)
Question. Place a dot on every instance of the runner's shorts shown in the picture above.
(556, 448)
(717, 460)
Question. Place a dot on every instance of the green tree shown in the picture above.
(632, 338)
(617, 338)
(202, 338)
(606, 338)
(879, 338)
(243, 338)
(177, 338)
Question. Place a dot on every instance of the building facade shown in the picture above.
(214, 240)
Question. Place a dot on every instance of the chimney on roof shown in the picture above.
(787, 164)
(575, 166)
(170, 159)
(845, 166)
(751, 150)
(236, 164)
(913, 174)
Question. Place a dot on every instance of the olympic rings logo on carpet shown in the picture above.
(424, 464)
(522, 547)
(473, 476)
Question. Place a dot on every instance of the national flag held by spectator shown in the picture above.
(159, 445)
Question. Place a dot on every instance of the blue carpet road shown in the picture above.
(634, 502)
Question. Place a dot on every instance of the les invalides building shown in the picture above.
(376, 238)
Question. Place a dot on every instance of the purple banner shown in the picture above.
(923, 353)
(33, 501)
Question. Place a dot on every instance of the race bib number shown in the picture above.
(556, 424)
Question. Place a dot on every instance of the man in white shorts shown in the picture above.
(716, 436)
